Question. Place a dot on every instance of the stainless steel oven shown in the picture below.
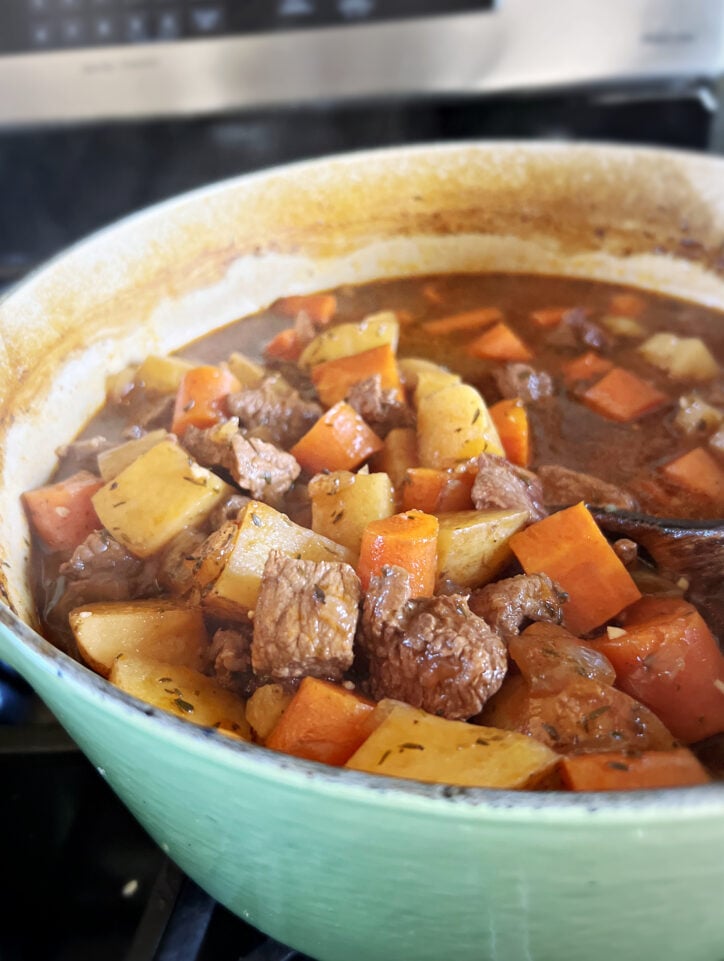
(109, 105)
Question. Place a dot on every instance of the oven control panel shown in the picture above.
(94, 60)
(38, 25)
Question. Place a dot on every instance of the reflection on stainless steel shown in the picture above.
(517, 45)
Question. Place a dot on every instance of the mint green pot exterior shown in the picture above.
(338, 864)
(365, 869)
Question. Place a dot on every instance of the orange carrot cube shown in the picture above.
(622, 396)
(511, 421)
(339, 440)
(500, 343)
(620, 771)
(586, 367)
(697, 471)
(62, 514)
(407, 540)
(569, 547)
(465, 321)
(323, 722)
(333, 378)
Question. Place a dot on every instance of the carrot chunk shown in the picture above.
(697, 471)
(339, 440)
(284, 346)
(407, 540)
(465, 321)
(323, 722)
(333, 378)
(201, 397)
(319, 308)
(570, 548)
(548, 316)
(622, 396)
(620, 771)
(586, 367)
(670, 661)
(62, 514)
(499, 343)
(511, 421)
(435, 491)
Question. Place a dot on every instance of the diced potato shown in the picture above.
(472, 546)
(696, 416)
(343, 504)
(410, 743)
(343, 340)
(265, 707)
(156, 497)
(161, 375)
(167, 630)
(411, 368)
(454, 425)
(246, 371)
(621, 326)
(261, 528)
(686, 358)
(182, 691)
(112, 462)
(430, 381)
(398, 454)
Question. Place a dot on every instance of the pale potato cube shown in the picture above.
(343, 504)
(410, 743)
(398, 454)
(157, 628)
(343, 340)
(430, 381)
(264, 708)
(473, 546)
(247, 372)
(260, 529)
(411, 368)
(453, 426)
(112, 462)
(156, 497)
(182, 691)
(621, 326)
(161, 375)
(685, 358)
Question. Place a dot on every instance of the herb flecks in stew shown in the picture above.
(376, 543)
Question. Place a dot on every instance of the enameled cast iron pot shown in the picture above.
(336, 863)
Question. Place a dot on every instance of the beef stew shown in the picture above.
(380, 543)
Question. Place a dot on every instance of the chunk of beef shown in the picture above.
(576, 330)
(261, 468)
(521, 380)
(175, 570)
(381, 409)
(509, 604)
(276, 409)
(228, 659)
(584, 716)
(101, 569)
(305, 618)
(500, 485)
(433, 653)
(563, 487)
(83, 454)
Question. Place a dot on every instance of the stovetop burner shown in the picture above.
(81, 879)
